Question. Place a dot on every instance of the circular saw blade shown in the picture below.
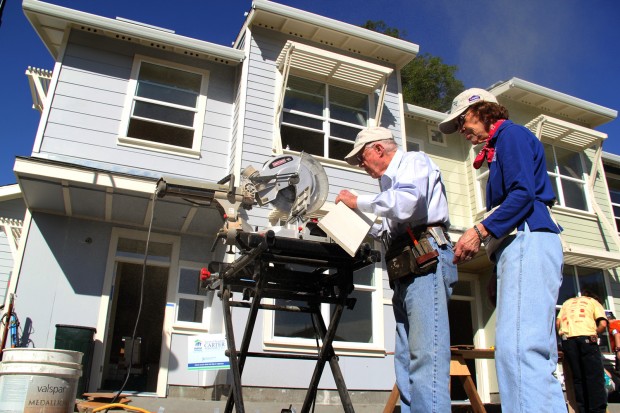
(311, 176)
(320, 183)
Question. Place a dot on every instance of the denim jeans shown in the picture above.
(529, 274)
(422, 348)
(586, 364)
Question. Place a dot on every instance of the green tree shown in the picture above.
(427, 81)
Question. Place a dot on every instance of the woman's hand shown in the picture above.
(467, 246)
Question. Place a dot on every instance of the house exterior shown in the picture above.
(12, 211)
(129, 103)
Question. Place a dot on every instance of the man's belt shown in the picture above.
(437, 231)
(412, 253)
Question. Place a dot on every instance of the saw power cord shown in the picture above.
(135, 327)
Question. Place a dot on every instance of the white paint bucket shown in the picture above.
(39, 380)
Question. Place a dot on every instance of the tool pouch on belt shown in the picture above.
(409, 255)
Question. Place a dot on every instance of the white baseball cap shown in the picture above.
(373, 134)
(461, 103)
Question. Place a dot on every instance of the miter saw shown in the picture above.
(295, 185)
(295, 273)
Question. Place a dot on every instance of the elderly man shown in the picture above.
(414, 211)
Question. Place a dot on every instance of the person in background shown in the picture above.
(579, 322)
(523, 241)
(413, 205)
(613, 326)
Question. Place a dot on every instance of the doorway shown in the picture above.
(461, 315)
(130, 358)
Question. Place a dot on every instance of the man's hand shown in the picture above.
(467, 246)
(348, 198)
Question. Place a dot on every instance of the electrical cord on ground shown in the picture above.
(135, 328)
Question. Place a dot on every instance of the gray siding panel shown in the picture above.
(260, 89)
(85, 115)
(64, 295)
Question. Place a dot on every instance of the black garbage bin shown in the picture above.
(77, 338)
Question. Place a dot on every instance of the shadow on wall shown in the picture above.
(80, 248)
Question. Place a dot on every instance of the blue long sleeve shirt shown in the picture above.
(412, 193)
(518, 182)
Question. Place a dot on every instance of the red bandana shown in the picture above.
(487, 152)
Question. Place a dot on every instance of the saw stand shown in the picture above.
(305, 271)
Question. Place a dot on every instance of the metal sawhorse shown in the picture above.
(312, 272)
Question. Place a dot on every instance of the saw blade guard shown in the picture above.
(294, 184)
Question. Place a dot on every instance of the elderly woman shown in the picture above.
(527, 250)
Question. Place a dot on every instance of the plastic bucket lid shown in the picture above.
(41, 355)
(65, 371)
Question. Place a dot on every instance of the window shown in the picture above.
(192, 301)
(567, 173)
(614, 193)
(415, 145)
(165, 107)
(436, 137)
(325, 99)
(359, 329)
(321, 119)
(577, 279)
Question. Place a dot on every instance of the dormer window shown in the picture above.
(165, 107)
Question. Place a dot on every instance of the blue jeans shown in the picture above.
(422, 348)
(529, 274)
(586, 364)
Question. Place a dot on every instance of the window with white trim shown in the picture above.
(321, 119)
(577, 279)
(436, 137)
(325, 99)
(566, 170)
(193, 302)
(614, 194)
(165, 107)
(359, 329)
(415, 144)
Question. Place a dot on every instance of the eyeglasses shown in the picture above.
(460, 121)
(360, 154)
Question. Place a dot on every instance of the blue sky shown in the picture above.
(572, 46)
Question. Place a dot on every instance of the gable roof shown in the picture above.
(330, 32)
(51, 21)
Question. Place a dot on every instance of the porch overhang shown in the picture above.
(591, 258)
(122, 199)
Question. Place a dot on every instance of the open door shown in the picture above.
(128, 357)
(461, 314)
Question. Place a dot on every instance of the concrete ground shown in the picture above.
(184, 405)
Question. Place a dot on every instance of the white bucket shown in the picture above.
(39, 380)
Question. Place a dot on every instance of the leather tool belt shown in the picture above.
(412, 253)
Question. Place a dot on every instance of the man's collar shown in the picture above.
(392, 168)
